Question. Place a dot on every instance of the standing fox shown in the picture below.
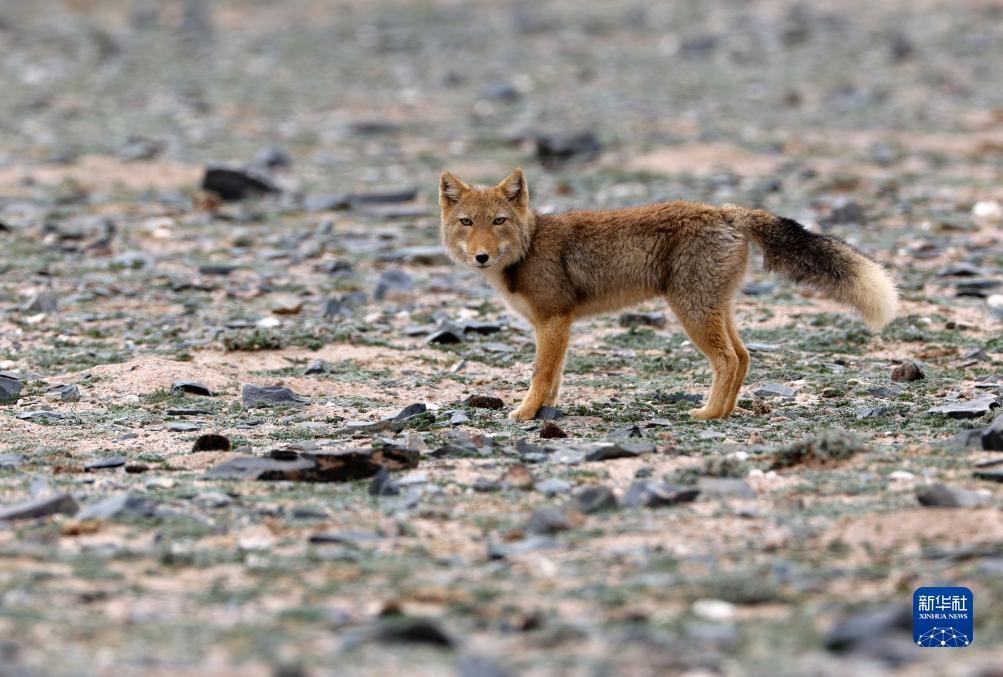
(555, 269)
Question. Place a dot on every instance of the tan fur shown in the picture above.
(555, 269)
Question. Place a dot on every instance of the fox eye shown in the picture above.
(466, 222)
(500, 220)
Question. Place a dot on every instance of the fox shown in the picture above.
(555, 269)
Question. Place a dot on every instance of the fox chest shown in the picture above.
(515, 302)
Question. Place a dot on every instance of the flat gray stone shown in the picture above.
(943, 496)
(119, 505)
(57, 504)
(652, 494)
(969, 408)
(270, 396)
(775, 390)
(10, 388)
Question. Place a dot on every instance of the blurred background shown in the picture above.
(143, 289)
(382, 91)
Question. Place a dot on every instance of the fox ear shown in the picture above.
(514, 188)
(451, 188)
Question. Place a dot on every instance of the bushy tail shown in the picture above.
(827, 263)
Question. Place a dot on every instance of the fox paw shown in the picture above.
(704, 414)
(522, 414)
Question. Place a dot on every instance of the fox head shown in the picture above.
(485, 227)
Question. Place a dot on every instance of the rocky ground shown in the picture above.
(183, 376)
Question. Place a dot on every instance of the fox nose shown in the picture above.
(482, 258)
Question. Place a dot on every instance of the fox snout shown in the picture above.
(482, 258)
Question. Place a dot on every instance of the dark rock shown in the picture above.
(549, 414)
(633, 319)
(10, 389)
(530, 544)
(182, 427)
(137, 148)
(762, 347)
(561, 147)
(383, 485)
(236, 184)
(212, 442)
(989, 475)
(552, 486)
(595, 499)
(652, 494)
(870, 412)
(423, 256)
(267, 396)
(217, 269)
(553, 520)
(500, 91)
(393, 280)
(965, 439)
(326, 202)
(775, 390)
(343, 305)
(190, 387)
(724, 487)
(317, 466)
(979, 288)
(446, 333)
(992, 437)
(845, 210)
(484, 402)
(122, 505)
(380, 197)
(57, 504)
(759, 288)
(346, 537)
(885, 392)
(860, 628)
(551, 431)
(908, 371)
(943, 496)
(458, 418)
(408, 630)
(969, 409)
(44, 302)
(107, 462)
(627, 432)
(483, 485)
(41, 415)
(272, 158)
(482, 328)
(698, 46)
(66, 393)
(185, 411)
(410, 411)
(394, 423)
(317, 366)
(607, 451)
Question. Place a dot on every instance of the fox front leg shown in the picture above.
(551, 345)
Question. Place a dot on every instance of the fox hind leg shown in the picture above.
(743, 360)
(713, 333)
